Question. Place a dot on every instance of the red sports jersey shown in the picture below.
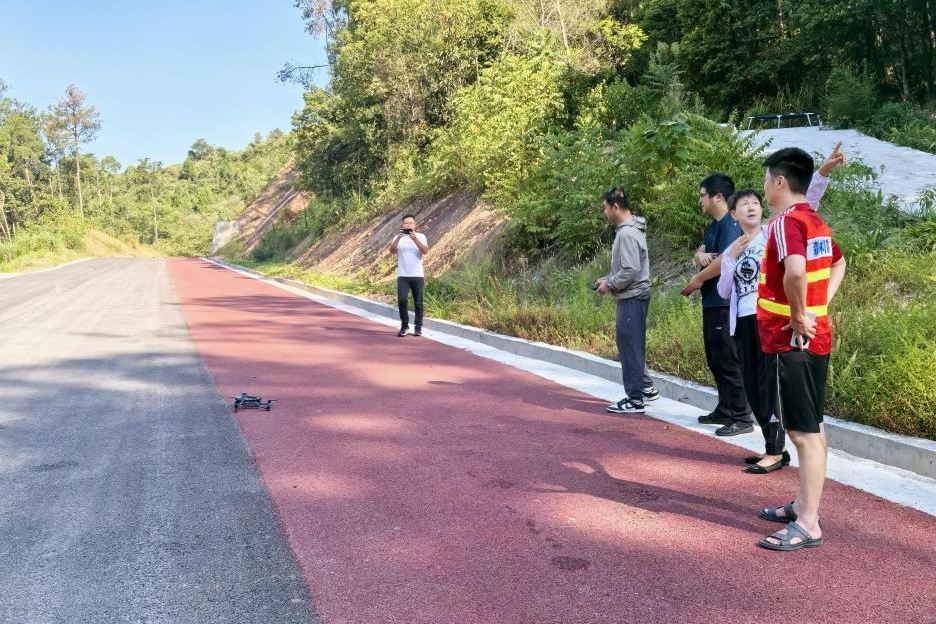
(798, 231)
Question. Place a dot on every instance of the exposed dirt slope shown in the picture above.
(277, 201)
(458, 226)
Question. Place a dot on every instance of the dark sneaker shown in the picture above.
(651, 394)
(626, 406)
(403, 332)
(418, 331)
(734, 429)
(714, 419)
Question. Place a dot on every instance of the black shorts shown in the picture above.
(797, 381)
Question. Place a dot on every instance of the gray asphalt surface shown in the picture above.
(127, 493)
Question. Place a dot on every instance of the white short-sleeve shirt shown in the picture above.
(747, 271)
(409, 258)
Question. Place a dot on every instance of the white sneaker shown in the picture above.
(651, 394)
(403, 332)
(626, 406)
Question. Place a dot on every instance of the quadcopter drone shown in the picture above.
(246, 401)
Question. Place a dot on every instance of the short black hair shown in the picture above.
(793, 164)
(408, 216)
(739, 195)
(718, 184)
(616, 195)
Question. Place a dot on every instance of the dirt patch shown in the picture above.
(459, 227)
(278, 201)
(101, 245)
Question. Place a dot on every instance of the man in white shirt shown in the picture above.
(410, 246)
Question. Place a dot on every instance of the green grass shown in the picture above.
(40, 259)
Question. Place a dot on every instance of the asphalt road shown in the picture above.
(127, 492)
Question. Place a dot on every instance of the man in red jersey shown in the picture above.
(800, 273)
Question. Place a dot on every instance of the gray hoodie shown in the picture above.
(630, 267)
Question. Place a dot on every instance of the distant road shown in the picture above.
(127, 493)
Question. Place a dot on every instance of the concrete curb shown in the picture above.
(914, 454)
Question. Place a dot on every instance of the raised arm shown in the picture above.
(423, 247)
(396, 242)
(820, 180)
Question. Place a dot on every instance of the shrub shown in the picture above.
(849, 97)
(278, 240)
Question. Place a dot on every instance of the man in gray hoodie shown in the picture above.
(629, 283)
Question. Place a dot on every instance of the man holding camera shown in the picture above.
(629, 283)
(410, 246)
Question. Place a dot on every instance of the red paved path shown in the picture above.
(419, 483)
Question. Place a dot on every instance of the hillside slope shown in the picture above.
(277, 201)
(459, 226)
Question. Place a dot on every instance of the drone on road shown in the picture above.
(246, 401)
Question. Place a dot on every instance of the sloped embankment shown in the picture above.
(276, 202)
(459, 227)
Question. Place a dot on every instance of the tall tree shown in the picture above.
(76, 123)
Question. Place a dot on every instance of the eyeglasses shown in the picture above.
(703, 194)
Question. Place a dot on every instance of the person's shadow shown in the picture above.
(590, 478)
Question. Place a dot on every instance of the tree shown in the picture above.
(111, 166)
(75, 124)
(201, 150)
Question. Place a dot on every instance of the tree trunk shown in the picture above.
(155, 224)
(565, 38)
(78, 181)
(929, 40)
(4, 222)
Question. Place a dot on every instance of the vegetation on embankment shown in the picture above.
(52, 194)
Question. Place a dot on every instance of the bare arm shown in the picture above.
(836, 275)
(794, 285)
(702, 258)
(396, 242)
(423, 248)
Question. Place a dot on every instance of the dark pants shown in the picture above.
(403, 286)
(756, 383)
(630, 332)
(722, 358)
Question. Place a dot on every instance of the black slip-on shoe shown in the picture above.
(753, 459)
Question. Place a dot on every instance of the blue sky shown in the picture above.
(161, 74)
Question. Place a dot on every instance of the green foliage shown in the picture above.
(491, 141)
(916, 133)
(43, 208)
(661, 165)
(277, 241)
(850, 99)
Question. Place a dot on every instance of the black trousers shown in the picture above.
(403, 287)
(754, 371)
(722, 358)
(630, 332)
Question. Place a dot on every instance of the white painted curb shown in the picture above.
(913, 454)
